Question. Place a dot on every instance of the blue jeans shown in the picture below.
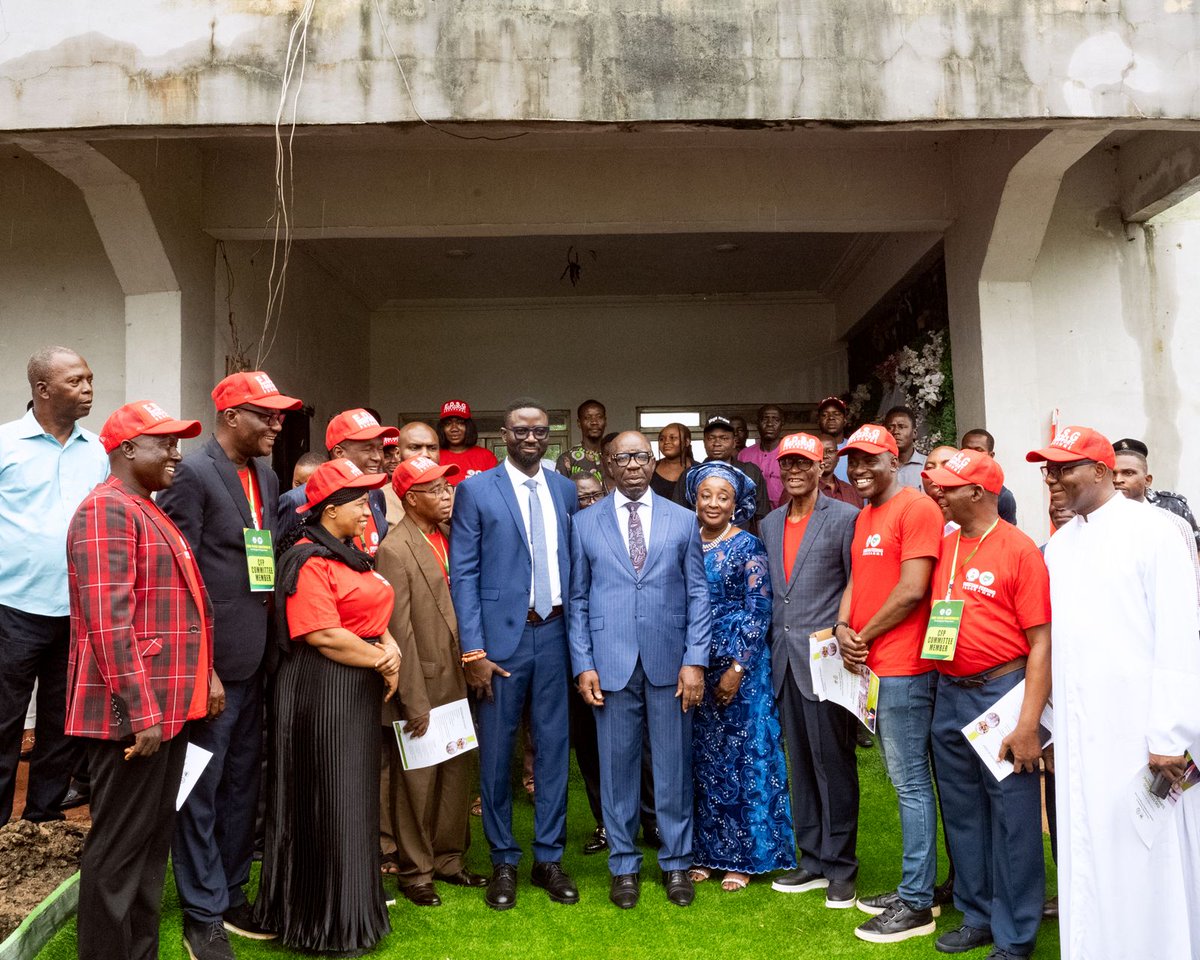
(903, 726)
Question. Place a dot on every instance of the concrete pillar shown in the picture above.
(153, 302)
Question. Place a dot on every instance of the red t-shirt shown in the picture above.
(471, 461)
(441, 550)
(369, 543)
(906, 527)
(330, 594)
(1005, 589)
(793, 536)
(253, 494)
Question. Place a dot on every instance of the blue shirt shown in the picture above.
(42, 484)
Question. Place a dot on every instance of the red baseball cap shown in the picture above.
(251, 386)
(390, 441)
(871, 438)
(968, 467)
(833, 401)
(409, 473)
(335, 475)
(356, 424)
(456, 408)
(801, 445)
(140, 418)
(1076, 443)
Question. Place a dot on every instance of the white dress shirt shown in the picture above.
(549, 524)
(643, 513)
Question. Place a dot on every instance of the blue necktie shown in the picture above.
(541, 568)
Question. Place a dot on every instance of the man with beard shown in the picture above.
(509, 575)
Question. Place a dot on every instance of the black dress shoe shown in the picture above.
(598, 842)
(464, 878)
(625, 890)
(863, 738)
(680, 890)
(76, 796)
(502, 888)
(650, 837)
(554, 880)
(421, 894)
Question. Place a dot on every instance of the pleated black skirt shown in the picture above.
(320, 887)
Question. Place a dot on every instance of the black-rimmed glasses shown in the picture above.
(523, 433)
(1056, 470)
(641, 458)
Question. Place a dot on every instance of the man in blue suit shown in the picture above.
(510, 570)
(641, 629)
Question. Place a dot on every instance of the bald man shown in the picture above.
(416, 439)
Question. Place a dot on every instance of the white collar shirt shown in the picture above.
(645, 514)
(549, 524)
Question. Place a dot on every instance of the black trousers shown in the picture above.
(35, 647)
(824, 770)
(125, 855)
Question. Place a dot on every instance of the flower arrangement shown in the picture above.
(920, 376)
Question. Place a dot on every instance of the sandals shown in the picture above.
(477, 807)
(390, 869)
(734, 881)
(699, 874)
(27, 741)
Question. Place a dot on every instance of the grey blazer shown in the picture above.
(809, 601)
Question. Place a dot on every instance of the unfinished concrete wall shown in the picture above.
(322, 351)
(56, 285)
(141, 62)
(626, 353)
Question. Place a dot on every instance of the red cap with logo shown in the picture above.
(409, 473)
(456, 408)
(834, 402)
(251, 386)
(871, 438)
(143, 417)
(356, 424)
(801, 445)
(335, 475)
(1076, 443)
(968, 467)
(390, 441)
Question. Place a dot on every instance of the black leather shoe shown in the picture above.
(1050, 908)
(597, 843)
(422, 895)
(650, 837)
(552, 878)
(76, 796)
(625, 890)
(502, 888)
(464, 878)
(963, 939)
(680, 890)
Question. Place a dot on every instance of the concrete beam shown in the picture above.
(1156, 171)
(153, 301)
(891, 260)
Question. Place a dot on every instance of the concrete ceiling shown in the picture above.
(383, 271)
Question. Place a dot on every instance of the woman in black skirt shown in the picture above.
(320, 887)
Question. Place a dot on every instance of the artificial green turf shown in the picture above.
(752, 923)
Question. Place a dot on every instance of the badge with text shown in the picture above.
(941, 636)
(260, 559)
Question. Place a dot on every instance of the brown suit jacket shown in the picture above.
(423, 624)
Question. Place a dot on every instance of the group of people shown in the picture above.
(653, 613)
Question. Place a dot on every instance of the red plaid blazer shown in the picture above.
(137, 629)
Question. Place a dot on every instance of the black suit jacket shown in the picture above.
(208, 504)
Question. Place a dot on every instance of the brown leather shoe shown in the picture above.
(422, 895)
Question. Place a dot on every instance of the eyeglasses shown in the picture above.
(797, 465)
(523, 433)
(1055, 471)
(438, 491)
(269, 417)
(641, 458)
(588, 498)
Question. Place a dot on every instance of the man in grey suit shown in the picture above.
(640, 633)
(808, 548)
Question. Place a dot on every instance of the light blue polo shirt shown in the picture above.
(42, 484)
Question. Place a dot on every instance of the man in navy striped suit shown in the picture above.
(640, 631)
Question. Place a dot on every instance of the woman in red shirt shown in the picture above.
(458, 438)
(320, 886)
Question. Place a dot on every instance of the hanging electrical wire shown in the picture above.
(295, 61)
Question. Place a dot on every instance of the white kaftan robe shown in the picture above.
(1126, 665)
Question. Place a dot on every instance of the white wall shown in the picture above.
(56, 285)
(625, 353)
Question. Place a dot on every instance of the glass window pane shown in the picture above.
(657, 420)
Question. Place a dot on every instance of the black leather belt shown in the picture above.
(534, 617)
(979, 679)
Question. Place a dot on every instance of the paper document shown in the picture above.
(987, 731)
(194, 762)
(857, 692)
(1150, 812)
(450, 733)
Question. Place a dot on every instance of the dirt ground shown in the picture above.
(35, 858)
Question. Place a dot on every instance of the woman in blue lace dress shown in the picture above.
(743, 818)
